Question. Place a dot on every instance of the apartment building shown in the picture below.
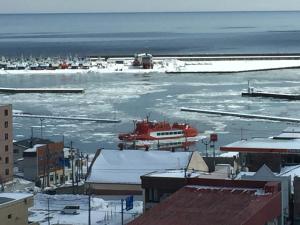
(14, 208)
(6, 144)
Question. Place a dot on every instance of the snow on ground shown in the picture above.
(102, 212)
(236, 65)
(19, 185)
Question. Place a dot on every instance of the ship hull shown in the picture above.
(168, 143)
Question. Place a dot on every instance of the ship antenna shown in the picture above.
(134, 125)
(248, 86)
(148, 116)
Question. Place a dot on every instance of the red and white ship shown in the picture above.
(161, 135)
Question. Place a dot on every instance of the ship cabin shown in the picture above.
(43, 66)
(147, 61)
(144, 60)
(3, 65)
(21, 66)
(11, 67)
(85, 66)
(168, 133)
(74, 66)
(64, 65)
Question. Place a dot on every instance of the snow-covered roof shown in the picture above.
(126, 166)
(11, 197)
(229, 154)
(264, 145)
(175, 173)
(288, 136)
(33, 149)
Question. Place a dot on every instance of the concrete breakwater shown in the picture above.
(271, 95)
(41, 90)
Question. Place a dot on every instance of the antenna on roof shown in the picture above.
(148, 116)
(134, 124)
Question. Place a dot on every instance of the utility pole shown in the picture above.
(48, 170)
(64, 172)
(44, 173)
(41, 119)
(64, 161)
(81, 165)
(206, 142)
(87, 164)
(48, 203)
(134, 128)
(89, 194)
(77, 168)
(122, 212)
(213, 140)
(72, 160)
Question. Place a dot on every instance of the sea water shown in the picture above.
(158, 33)
(134, 96)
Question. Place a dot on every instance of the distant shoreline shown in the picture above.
(147, 12)
(177, 55)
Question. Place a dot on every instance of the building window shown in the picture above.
(51, 177)
(9, 216)
(6, 148)
(6, 160)
(6, 171)
(6, 112)
(153, 195)
(6, 136)
(6, 124)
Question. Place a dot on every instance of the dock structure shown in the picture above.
(243, 115)
(271, 95)
(41, 90)
(251, 92)
(66, 118)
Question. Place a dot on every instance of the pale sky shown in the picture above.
(40, 6)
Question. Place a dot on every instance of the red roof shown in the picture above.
(196, 205)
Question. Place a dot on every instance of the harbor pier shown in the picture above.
(41, 90)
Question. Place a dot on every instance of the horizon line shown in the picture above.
(136, 12)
